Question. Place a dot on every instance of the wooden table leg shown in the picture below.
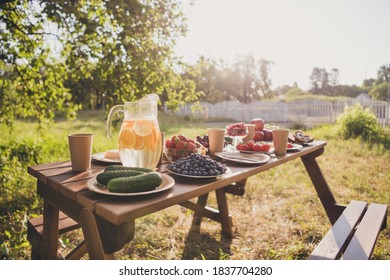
(202, 201)
(50, 231)
(92, 236)
(332, 209)
(225, 219)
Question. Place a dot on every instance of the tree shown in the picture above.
(265, 81)
(379, 91)
(111, 52)
(333, 80)
(384, 74)
(315, 79)
(31, 81)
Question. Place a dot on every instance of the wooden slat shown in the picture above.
(335, 240)
(92, 237)
(364, 239)
(65, 223)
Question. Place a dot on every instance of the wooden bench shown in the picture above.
(35, 236)
(354, 234)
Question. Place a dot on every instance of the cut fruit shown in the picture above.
(143, 127)
(127, 138)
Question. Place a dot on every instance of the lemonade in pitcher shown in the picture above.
(139, 140)
(139, 143)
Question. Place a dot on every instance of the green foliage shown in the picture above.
(379, 91)
(295, 92)
(31, 82)
(357, 122)
(59, 57)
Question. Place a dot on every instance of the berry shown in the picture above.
(265, 147)
(182, 137)
(175, 140)
(257, 147)
(191, 146)
(169, 144)
(180, 145)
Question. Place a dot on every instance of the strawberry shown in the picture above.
(175, 140)
(169, 144)
(242, 147)
(191, 146)
(250, 144)
(182, 137)
(181, 145)
(265, 147)
(257, 147)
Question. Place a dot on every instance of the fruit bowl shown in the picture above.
(173, 154)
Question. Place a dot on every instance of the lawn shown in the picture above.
(279, 216)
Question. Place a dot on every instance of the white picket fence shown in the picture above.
(307, 112)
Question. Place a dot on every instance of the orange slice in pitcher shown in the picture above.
(139, 142)
(127, 138)
(143, 127)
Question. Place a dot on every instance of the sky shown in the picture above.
(297, 35)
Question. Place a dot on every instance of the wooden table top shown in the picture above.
(118, 210)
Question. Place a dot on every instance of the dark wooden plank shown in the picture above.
(92, 236)
(332, 209)
(65, 223)
(202, 211)
(364, 239)
(50, 231)
(226, 222)
(334, 242)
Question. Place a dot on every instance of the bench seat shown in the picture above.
(35, 236)
(354, 235)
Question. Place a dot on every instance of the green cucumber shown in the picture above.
(106, 176)
(121, 167)
(140, 183)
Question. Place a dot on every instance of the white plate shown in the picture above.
(198, 177)
(295, 147)
(271, 151)
(244, 158)
(101, 157)
(167, 183)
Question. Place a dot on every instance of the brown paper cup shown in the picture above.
(280, 139)
(80, 147)
(216, 139)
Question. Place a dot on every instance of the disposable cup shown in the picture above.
(80, 147)
(280, 139)
(216, 139)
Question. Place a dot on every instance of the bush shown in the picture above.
(357, 122)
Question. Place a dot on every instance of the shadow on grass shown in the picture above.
(203, 246)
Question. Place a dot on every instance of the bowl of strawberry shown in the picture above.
(179, 146)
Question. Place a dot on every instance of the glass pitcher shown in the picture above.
(139, 140)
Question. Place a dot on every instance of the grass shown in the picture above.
(279, 217)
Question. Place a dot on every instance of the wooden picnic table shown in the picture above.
(108, 221)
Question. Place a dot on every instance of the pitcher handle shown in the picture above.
(115, 109)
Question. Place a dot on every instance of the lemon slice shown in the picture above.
(143, 127)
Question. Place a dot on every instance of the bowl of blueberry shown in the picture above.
(198, 166)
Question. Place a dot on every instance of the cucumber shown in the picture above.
(121, 167)
(106, 176)
(140, 183)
